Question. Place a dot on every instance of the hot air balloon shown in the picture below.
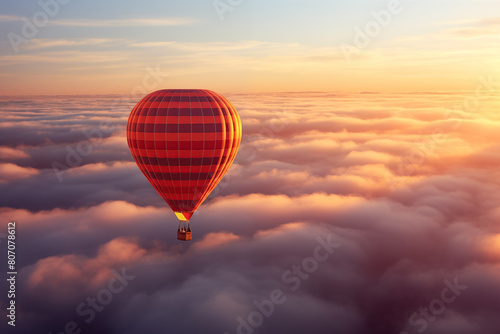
(184, 141)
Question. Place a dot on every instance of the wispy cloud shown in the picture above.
(10, 18)
(66, 57)
(130, 22)
(48, 43)
(473, 32)
(151, 44)
(153, 22)
(474, 28)
(487, 21)
(210, 46)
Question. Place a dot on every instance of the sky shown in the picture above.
(105, 47)
(363, 199)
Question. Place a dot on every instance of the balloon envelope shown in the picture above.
(184, 141)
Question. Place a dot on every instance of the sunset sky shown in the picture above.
(387, 159)
(101, 47)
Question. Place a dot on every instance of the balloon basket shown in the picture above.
(184, 233)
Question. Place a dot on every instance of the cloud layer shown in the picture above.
(407, 191)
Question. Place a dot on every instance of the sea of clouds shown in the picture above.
(406, 186)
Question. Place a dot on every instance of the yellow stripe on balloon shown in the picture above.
(181, 216)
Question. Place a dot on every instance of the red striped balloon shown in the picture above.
(184, 141)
